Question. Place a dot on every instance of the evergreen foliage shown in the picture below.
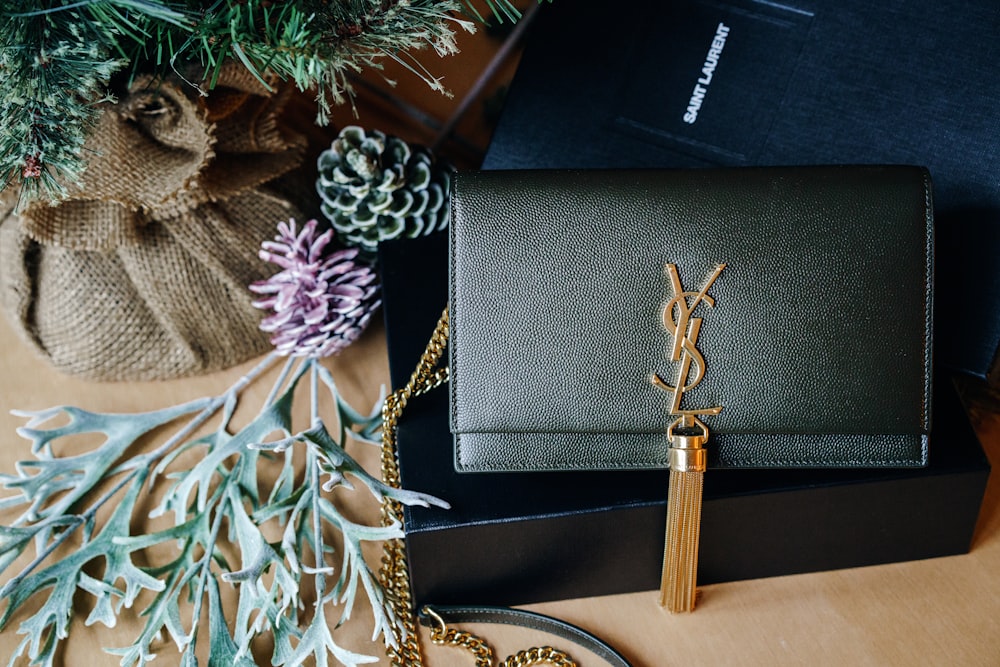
(58, 59)
(52, 72)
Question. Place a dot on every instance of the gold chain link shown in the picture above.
(441, 634)
(394, 574)
(537, 655)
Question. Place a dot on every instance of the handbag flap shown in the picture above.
(814, 339)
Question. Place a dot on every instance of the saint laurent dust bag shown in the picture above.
(731, 318)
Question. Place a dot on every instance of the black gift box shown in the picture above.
(515, 538)
(741, 82)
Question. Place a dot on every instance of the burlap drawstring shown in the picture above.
(142, 273)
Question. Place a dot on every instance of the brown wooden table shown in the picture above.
(944, 611)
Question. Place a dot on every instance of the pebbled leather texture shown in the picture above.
(821, 326)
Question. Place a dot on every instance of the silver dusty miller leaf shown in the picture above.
(220, 500)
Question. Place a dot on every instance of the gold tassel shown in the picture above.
(688, 436)
(688, 459)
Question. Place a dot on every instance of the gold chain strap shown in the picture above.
(442, 635)
(394, 575)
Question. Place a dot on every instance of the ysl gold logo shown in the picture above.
(685, 329)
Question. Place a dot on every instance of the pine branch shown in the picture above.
(53, 71)
(58, 56)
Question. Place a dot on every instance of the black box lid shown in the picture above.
(801, 82)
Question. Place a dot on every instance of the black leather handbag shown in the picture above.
(766, 317)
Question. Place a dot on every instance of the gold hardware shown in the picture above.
(687, 452)
(404, 650)
(684, 347)
(442, 635)
(442, 626)
(688, 436)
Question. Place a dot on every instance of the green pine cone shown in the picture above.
(376, 187)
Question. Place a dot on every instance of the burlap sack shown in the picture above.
(143, 272)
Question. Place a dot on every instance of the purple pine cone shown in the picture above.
(321, 302)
